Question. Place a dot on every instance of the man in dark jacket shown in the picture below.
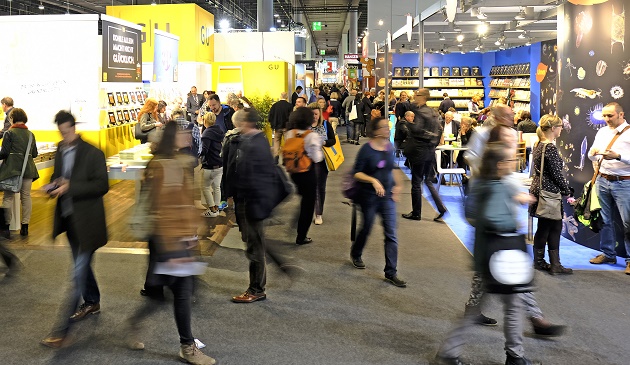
(278, 118)
(79, 182)
(296, 94)
(7, 106)
(424, 136)
(223, 112)
(256, 179)
(446, 104)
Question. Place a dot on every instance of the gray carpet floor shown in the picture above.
(332, 314)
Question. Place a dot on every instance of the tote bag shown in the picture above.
(353, 113)
(549, 203)
(333, 155)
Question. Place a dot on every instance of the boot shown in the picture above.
(24, 229)
(192, 355)
(543, 327)
(556, 267)
(511, 360)
(539, 260)
(4, 226)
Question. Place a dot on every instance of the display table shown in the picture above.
(129, 164)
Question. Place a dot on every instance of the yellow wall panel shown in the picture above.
(192, 24)
(259, 78)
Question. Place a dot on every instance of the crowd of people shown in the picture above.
(240, 171)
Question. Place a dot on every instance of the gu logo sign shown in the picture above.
(273, 67)
(206, 33)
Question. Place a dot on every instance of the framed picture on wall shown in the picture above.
(455, 71)
(112, 118)
(119, 98)
(415, 71)
(397, 71)
(407, 71)
(126, 116)
(476, 71)
(435, 71)
(446, 71)
(110, 99)
(465, 71)
(426, 71)
(126, 97)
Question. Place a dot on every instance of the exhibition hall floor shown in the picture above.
(332, 314)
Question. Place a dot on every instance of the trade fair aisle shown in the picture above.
(332, 314)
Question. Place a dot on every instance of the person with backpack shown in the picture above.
(211, 164)
(301, 151)
(325, 130)
(379, 188)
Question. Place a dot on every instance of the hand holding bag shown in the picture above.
(14, 183)
(549, 204)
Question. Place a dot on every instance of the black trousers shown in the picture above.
(306, 183)
(548, 233)
(182, 288)
(8, 256)
(322, 178)
(422, 173)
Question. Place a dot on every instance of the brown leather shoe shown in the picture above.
(602, 259)
(84, 310)
(54, 342)
(627, 268)
(248, 297)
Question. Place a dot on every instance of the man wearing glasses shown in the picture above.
(613, 182)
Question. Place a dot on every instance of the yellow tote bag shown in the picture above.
(334, 155)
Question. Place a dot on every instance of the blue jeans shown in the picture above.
(613, 193)
(350, 130)
(83, 282)
(370, 206)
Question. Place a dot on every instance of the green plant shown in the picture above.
(262, 104)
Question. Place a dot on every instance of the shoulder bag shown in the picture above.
(14, 183)
(549, 204)
(333, 154)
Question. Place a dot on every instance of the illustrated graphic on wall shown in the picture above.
(583, 25)
(600, 69)
(583, 93)
(626, 69)
(570, 66)
(581, 73)
(595, 118)
(566, 124)
(569, 225)
(618, 29)
(583, 151)
(616, 92)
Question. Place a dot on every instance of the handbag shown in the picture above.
(549, 203)
(353, 112)
(333, 155)
(14, 183)
(138, 133)
(509, 265)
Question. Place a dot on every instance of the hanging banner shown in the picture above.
(165, 59)
(122, 56)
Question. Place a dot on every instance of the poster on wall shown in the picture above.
(594, 69)
(165, 57)
(229, 80)
(547, 76)
(122, 55)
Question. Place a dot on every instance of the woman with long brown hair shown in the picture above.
(149, 120)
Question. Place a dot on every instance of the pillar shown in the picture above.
(421, 53)
(354, 25)
(265, 15)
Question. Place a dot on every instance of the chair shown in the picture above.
(457, 172)
(521, 152)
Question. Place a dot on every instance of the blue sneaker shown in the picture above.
(223, 205)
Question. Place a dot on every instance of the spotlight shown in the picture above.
(272, 29)
(276, 15)
(520, 15)
(224, 24)
(482, 28)
(497, 43)
(279, 21)
(380, 22)
(441, 37)
(460, 37)
(41, 6)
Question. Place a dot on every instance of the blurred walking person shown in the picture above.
(380, 183)
(173, 241)
(79, 182)
(301, 166)
(492, 206)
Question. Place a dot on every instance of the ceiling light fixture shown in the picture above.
(224, 24)
(272, 29)
(460, 37)
(441, 36)
(481, 15)
(279, 21)
(482, 28)
(41, 6)
(380, 22)
(498, 42)
(276, 15)
(520, 15)
(460, 45)
(522, 35)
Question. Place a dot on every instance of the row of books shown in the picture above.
(518, 94)
(454, 93)
(511, 82)
(437, 71)
(469, 82)
(515, 69)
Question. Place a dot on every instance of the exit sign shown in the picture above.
(322, 52)
(317, 25)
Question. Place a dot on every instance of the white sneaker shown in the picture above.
(318, 220)
(192, 355)
(210, 214)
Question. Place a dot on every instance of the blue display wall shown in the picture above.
(485, 60)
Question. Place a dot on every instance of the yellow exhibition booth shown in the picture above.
(103, 76)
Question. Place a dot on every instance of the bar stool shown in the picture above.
(457, 172)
